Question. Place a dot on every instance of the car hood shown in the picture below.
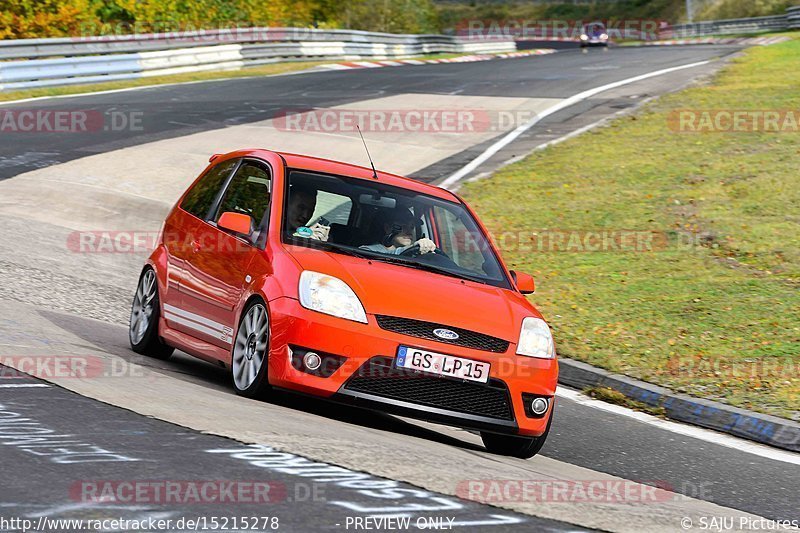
(396, 290)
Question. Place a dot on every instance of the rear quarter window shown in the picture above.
(199, 200)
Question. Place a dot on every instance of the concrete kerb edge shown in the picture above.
(758, 427)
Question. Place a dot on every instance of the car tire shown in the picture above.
(515, 446)
(250, 353)
(145, 314)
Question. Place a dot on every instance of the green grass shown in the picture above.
(718, 319)
(610, 395)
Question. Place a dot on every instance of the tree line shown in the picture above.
(75, 18)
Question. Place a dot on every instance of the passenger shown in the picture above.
(302, 203)
(399, 228)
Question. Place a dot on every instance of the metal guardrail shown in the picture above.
(731, 26)
(793, 18)
(789, 21)
(90, 45)
(63, 61)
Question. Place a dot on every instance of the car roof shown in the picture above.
(328, 166)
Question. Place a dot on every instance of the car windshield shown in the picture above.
(380, 222)
(594, 29)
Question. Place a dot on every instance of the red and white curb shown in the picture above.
(461, 59)
(750, 41)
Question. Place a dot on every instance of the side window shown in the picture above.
(248, 193)
(200, 199)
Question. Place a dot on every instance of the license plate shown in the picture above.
(441, 364)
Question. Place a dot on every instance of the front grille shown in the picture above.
(424, 330)
(380, 378)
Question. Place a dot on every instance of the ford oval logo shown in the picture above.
(447, 334)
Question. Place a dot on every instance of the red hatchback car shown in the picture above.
(363, 287)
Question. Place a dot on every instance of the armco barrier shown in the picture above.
(49, 72)
(730, 26)
(48, 62)
(793, 18)
(789, 21)
(93, 45)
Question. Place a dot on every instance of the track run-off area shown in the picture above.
(312, 465)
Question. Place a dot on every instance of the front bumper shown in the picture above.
(294, 326)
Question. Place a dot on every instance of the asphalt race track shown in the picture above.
(144, 448)
(176, 111)
(142, 420)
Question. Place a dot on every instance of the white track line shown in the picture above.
(331, 66)
(128, 89)
(22, 385)
(690, 431)
(154, 86)
(566, 137)
(508, 138)
(694, 432)
(682, 429)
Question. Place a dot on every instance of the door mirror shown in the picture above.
(524, 282)
(235, 222)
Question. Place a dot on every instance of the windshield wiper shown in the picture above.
(355, 252)
(329, 247)
(428, 267)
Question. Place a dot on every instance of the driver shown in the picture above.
(302, 203)
(398, 235)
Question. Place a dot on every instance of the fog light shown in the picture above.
(539, 406)
(312, 361)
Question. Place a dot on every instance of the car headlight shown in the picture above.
(584, 37)
(535, 339)
(603, 37)
(330, 295)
